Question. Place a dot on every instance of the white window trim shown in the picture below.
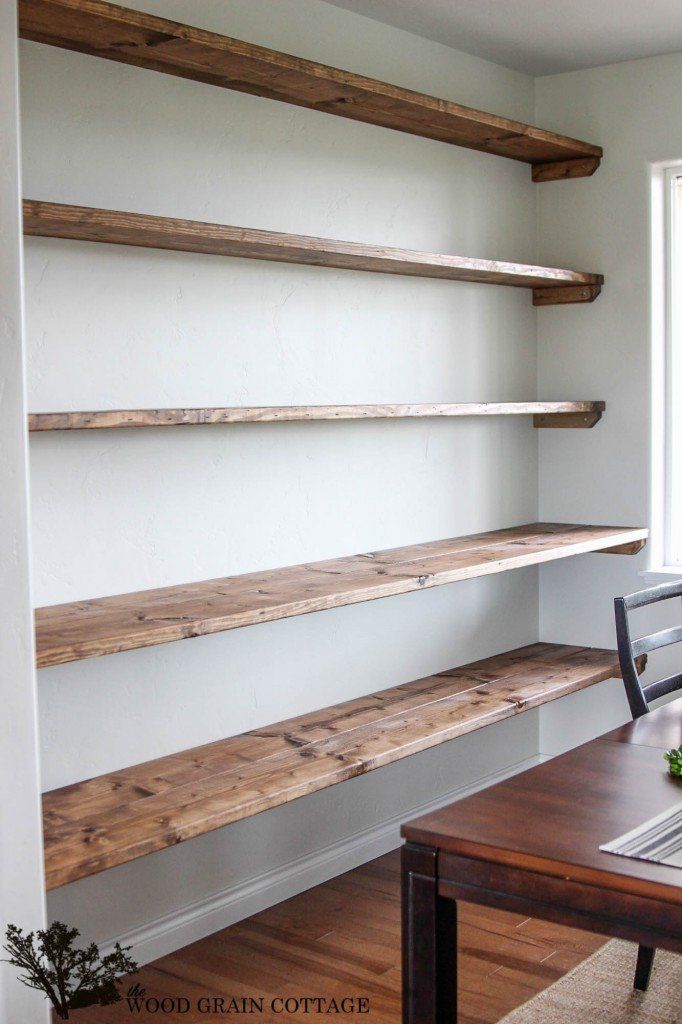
(663, 179)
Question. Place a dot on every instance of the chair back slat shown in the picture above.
(652, 594)
(652, 691)
(654, 641)
(630, 650)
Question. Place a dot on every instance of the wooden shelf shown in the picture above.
(132, 37)
(545, 414)
(108, 625)
(550, 286)
(106, 821)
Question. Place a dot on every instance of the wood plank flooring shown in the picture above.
(342, 939)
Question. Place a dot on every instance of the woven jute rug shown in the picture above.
(600, 991)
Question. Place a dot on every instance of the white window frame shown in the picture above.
(672, 490)
(665, 558)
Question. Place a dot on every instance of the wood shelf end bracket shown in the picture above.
(560, 170)
(564, 294)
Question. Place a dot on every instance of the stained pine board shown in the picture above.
(107, 625)
(568, 414)
(144, 40)
(550, 285)
(114, 818)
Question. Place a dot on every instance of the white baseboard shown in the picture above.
(206, 916)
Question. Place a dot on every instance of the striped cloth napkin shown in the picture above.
(658, 840)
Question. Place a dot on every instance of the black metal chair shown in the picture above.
(640, 695)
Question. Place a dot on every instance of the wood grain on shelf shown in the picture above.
(144, 40)
(108, 625)
(89, 224)
(106, 821)
(546, 414)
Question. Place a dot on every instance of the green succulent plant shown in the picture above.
(674, 759)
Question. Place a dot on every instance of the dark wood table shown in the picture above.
(530, 845)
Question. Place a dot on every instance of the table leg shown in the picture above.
(429, 941)
(645, 961)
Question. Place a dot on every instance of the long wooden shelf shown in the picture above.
(551, 286)
(108, 625)
(545, 414)
(133, 37)
(106, 821)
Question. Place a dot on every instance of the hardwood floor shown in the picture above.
(342, 940)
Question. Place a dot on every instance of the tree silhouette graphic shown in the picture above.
(71, 978)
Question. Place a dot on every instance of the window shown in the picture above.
(672, 505)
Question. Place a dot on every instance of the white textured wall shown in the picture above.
(22, 899)
(633, 111)
(115, 326)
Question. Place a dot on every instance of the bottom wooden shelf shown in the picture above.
(106, 821)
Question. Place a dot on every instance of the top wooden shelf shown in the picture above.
(108, 625)
(132, 37)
